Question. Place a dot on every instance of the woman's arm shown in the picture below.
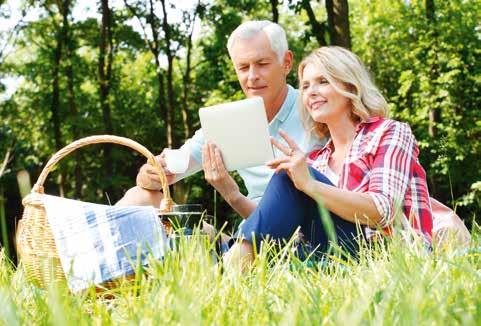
(388, 179)
(354, 207)
(351, 206)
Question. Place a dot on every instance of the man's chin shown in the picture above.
(257, 92)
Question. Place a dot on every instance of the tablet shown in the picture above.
(240, 130)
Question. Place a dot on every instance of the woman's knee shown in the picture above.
(281, 179)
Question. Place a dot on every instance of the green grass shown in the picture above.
(394, 284)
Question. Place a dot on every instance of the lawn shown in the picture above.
(391, 284)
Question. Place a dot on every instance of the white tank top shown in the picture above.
(332, 176)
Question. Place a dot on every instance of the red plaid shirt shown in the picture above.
(383, 162)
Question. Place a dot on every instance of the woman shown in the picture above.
(368, 173)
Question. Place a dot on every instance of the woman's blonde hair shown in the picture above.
(339, 65)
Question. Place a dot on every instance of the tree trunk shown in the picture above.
(182, 189)
(179, 191)
(55, 104)
(338, 22)
(171, 140)
(105, 68)
(7, 158)
(275, 10)
(430, 10)
(434, 114)
(3, 225)
(186, 82)
(154, 46)
(69, 50)
(318, 29)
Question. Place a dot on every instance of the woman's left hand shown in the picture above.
(294, 163)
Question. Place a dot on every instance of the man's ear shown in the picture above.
(288, 61)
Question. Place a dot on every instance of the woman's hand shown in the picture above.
(294, 163)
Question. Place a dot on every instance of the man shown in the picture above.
(262, 61)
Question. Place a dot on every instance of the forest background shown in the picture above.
(142, 69)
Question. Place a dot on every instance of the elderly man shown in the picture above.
(262, 61)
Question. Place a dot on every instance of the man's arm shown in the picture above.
(241, 204)
(148, 178)
(218, 176)
(215, 173)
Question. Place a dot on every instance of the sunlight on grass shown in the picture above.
(389, 284)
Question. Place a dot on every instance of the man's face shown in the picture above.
(258, 69)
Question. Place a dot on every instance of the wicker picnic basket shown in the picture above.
(35, 242)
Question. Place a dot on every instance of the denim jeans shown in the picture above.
(283, 209)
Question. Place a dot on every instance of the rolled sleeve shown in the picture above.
(383, 206)
(195, 145)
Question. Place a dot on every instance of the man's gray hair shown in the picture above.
(275, 34)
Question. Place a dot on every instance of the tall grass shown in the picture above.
(390, 284)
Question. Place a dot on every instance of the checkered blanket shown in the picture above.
(97, 243)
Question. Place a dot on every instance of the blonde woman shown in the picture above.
(368, 173)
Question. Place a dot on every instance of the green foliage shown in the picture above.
(422, 65)
(428, 66)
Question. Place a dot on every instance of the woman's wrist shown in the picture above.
(310, 187)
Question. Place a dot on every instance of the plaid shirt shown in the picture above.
(383, 162)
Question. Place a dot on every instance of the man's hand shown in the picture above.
(148, 177)
(216, 173)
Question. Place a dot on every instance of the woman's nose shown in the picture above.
(312, 90)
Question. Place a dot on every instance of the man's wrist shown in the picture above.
(233, 197)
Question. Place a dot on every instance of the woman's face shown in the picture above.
(321, 99)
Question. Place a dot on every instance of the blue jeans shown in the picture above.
(283, 209)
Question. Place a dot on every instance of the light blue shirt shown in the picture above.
(256, 178)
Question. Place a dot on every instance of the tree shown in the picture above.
(318, 28)
(187, 88)
(275, 10)
(55, 101)
(160, 44)
(336, 25)
(419, 73)
(338, 22)
(434, 114)
(106, 54)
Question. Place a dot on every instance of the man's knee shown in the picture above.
(140, 196)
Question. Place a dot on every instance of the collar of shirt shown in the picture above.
(319, 158)
(330, 146)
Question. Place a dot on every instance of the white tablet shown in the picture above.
(240, 130)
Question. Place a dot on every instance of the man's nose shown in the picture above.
(252, 73)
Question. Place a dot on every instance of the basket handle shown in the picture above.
(166, 203)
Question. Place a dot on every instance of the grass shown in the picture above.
(393, 284)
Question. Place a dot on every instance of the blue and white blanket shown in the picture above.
(97, 243)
